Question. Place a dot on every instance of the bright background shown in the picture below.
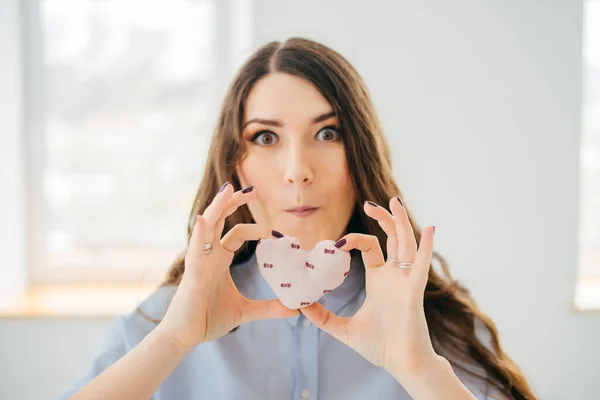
(492, 110)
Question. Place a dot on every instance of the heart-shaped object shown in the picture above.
(300, 277)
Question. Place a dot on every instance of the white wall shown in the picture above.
(481, 103)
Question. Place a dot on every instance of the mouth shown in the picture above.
(302, 211)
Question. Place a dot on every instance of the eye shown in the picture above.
(265, 138)
(329, 133)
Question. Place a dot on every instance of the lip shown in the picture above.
(302, 211)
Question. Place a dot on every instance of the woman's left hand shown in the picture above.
(390, 329)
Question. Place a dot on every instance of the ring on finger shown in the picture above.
(402, 265)
(208, 247)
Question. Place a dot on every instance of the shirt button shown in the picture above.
(305, 394)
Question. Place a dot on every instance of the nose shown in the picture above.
(298, 168)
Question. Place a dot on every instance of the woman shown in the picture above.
(298, 132)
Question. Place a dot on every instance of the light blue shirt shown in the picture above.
(273, 359)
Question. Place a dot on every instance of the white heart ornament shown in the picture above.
(300, 277)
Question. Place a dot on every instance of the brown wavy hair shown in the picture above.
(452, 315)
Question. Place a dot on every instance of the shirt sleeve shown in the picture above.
(111, 351)
(125, 333)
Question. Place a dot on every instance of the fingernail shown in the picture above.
(248, 189)
(400, 201)
(372, 204)
(223, 187)
(276, 234)
(340, 243)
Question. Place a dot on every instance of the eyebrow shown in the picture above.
(272, 122)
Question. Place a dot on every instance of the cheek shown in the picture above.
(334, 168)
(337, 180)
(254, 171)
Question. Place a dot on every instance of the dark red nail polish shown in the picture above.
(248, 189)
(276, 234)
(372, 204)
(223, 187)
(340, 243)
(399, 200)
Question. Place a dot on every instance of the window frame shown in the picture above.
(587, 291)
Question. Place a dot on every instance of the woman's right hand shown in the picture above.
(207, 304)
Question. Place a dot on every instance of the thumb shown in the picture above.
(324, 319)
(254, 310)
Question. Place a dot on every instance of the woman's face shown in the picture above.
(296, 161)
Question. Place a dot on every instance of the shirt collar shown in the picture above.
(251, 284)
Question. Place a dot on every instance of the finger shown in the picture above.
(237, 200)
(219, 226)
(407, 245)
(215, 209)
(197, 238)
(235, 238)
(420, 270)
(387, 223)
(254, 310)
(367, 244)
(336, 326)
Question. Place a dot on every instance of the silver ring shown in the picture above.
(208, 248)
(402, 265)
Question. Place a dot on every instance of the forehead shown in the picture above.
(286, 97)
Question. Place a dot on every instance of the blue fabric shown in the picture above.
(275, 359)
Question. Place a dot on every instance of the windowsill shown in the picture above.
(587, 295)
(81, 300)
